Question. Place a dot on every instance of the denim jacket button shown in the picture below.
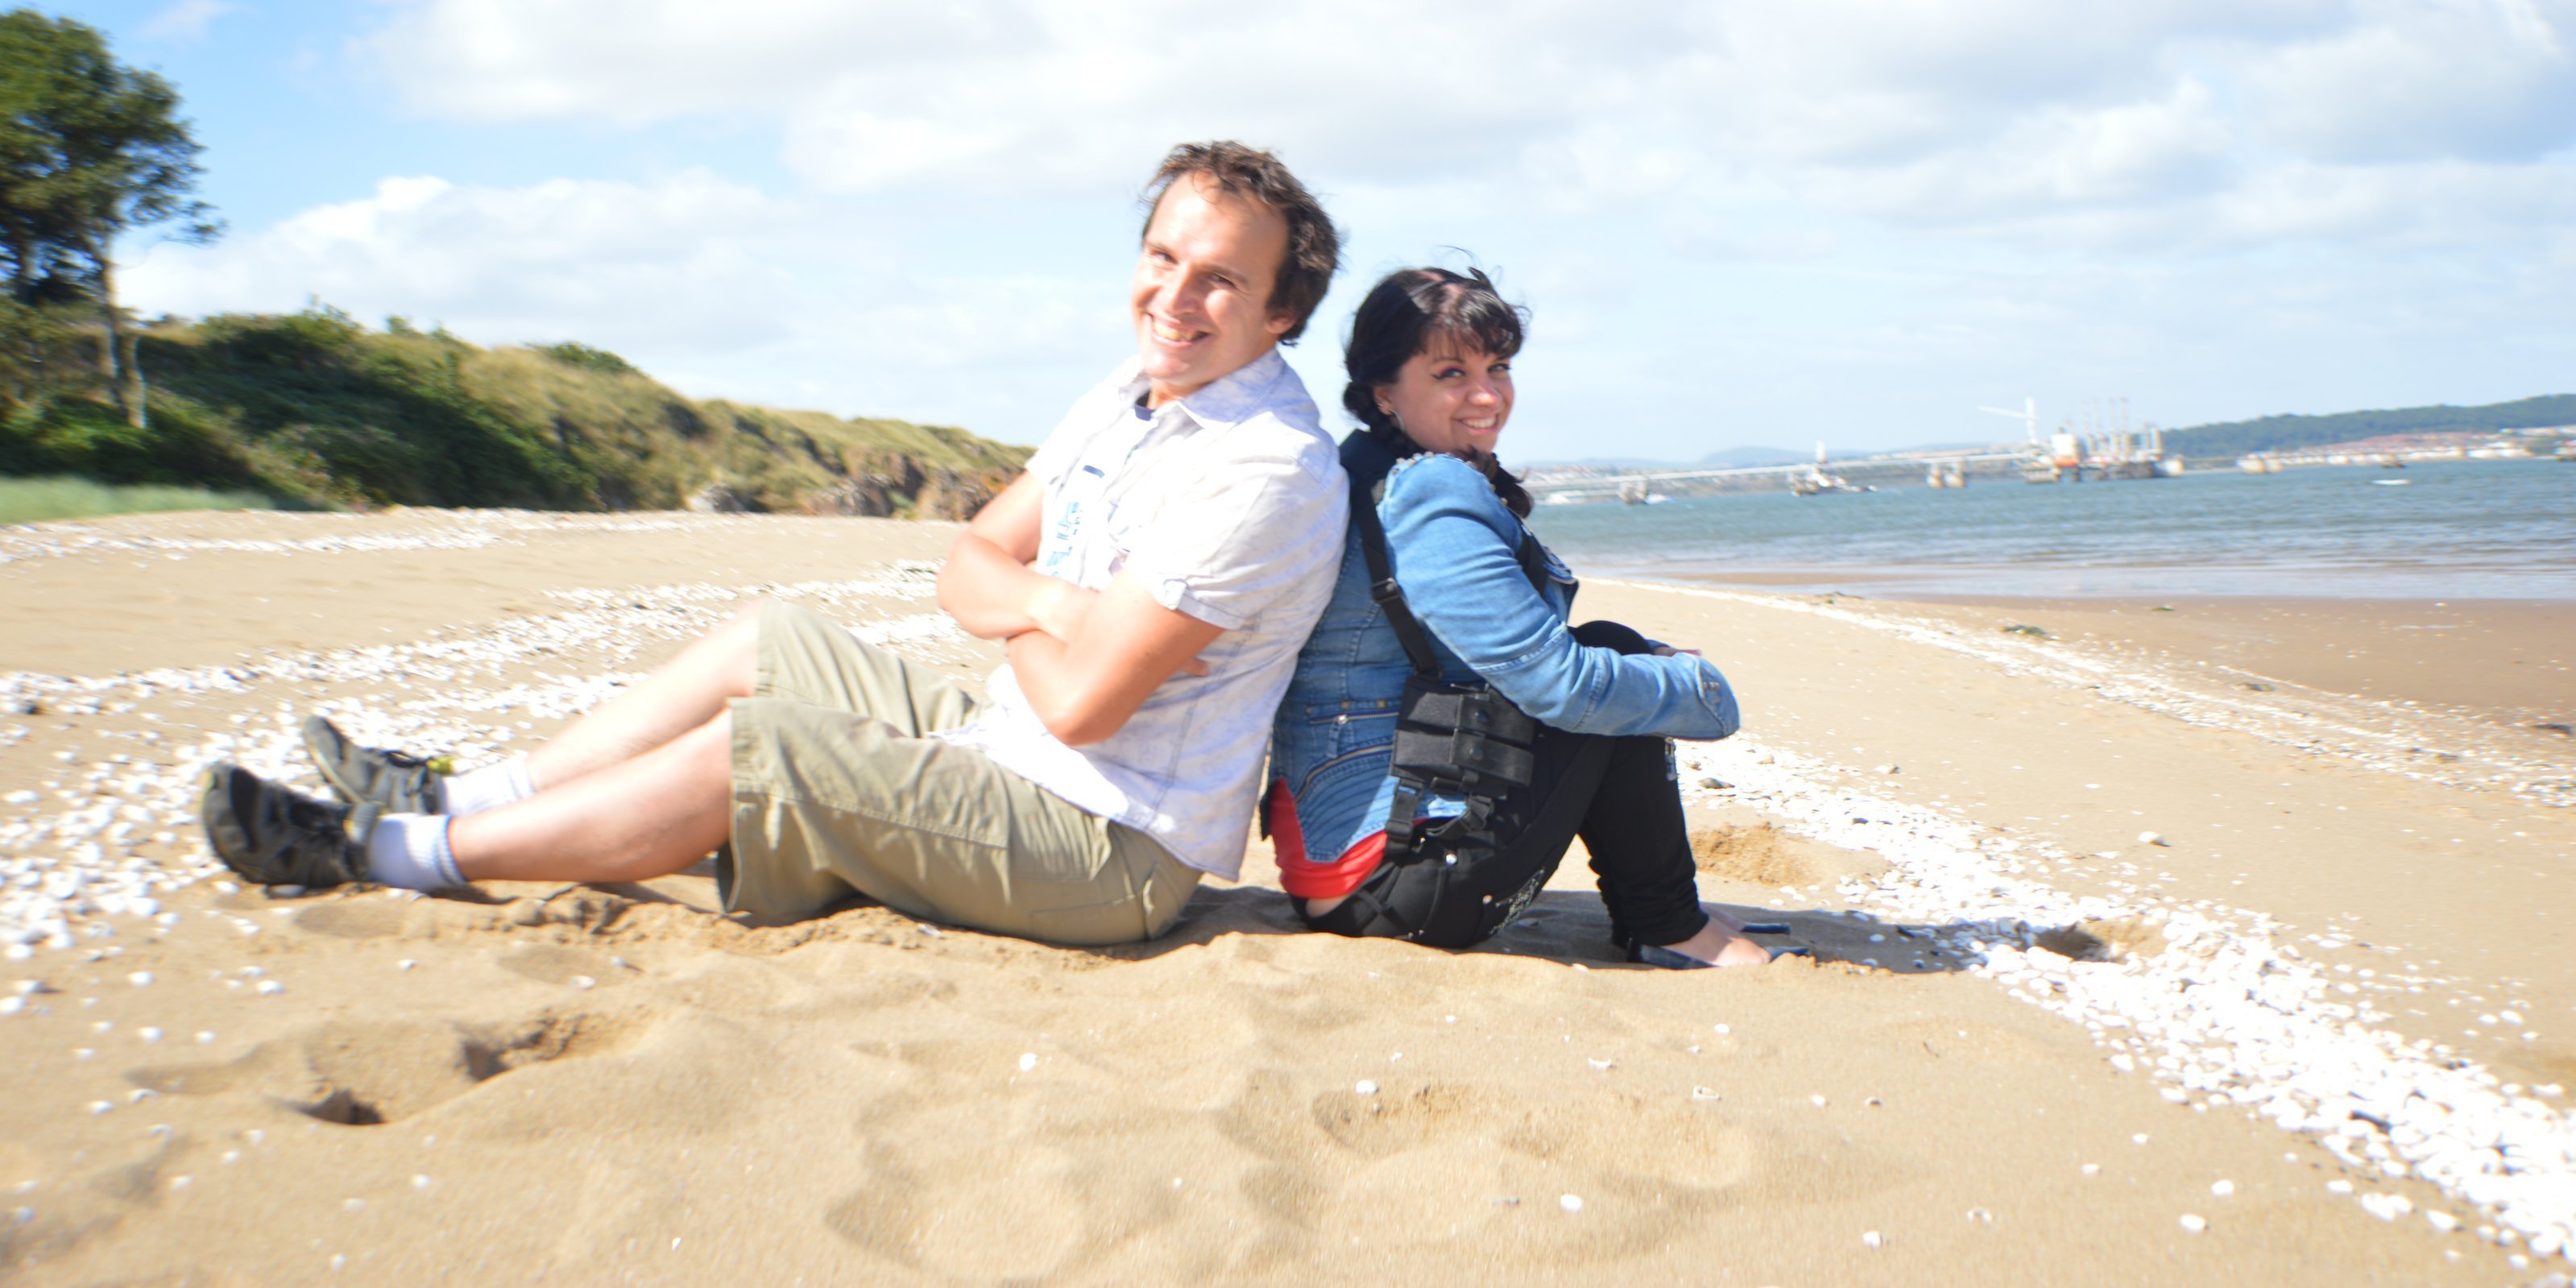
(1343, 718)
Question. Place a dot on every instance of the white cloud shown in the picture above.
(716, 286)
(2049, 162)
(504, 261)
(185, 20)
(2489, 80)
(2023, 116)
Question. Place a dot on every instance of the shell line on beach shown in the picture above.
(2222, 1015)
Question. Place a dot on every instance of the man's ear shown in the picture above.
(1278, 322)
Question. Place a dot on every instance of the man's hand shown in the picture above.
(1061, 609)
(1085, 688)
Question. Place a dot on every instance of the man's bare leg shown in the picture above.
(645, 816)
(679, 696)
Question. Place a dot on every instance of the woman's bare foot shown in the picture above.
(1719, 946)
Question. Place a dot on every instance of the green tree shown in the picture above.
(89, 150)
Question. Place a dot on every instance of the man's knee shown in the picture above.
(746, 617)
(737, 643)
(710, 745)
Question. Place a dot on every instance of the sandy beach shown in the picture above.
(2219, 944)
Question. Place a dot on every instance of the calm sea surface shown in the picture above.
(2464, 529)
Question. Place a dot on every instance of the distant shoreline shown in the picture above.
(1973, 584)
(2504, 668)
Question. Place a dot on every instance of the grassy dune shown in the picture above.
(312, 409)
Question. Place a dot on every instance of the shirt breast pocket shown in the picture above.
(1122, 530)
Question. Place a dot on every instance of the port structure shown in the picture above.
(2105, 447)
(1560, 485)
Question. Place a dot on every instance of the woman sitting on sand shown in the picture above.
(1433, 809)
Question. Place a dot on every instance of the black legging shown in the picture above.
(1618, 794)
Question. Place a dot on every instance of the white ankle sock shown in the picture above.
(410, 851)
(490, 787)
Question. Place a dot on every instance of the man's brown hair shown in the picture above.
(1314, 248)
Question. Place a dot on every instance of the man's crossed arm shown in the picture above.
(1085, 659)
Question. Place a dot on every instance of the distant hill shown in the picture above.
(1737, 458)
(2288, 433)
(1732, 458)
(1596, 463)
(314, 409)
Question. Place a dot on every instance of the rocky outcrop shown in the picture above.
(718, 498)
(948, 494)
(851, 498)
(884, 485)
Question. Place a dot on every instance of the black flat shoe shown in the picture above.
(277, 836)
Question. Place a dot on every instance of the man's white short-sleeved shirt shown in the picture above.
(1229, 506)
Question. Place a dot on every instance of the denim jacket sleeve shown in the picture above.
(1452, 546)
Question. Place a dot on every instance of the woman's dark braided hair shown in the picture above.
(1408, 313)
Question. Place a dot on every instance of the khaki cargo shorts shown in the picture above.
(837, 787)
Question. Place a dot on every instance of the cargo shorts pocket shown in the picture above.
(1137, 891)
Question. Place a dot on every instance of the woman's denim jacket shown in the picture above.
(1453, 549)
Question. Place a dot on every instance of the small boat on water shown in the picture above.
(1819, 483)
(1816, 482)
(2390, 482)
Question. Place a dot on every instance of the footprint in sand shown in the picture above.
(353, 918)
(990, 1210)
(1346, 1163)
(362, 1073)
(559, 964)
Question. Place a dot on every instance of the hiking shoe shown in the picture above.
(399, 782)
(277, 836)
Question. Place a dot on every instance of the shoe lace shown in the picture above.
(308, 815)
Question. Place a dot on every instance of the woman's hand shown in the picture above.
(1667, 650)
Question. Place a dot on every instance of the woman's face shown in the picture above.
(1449, 399)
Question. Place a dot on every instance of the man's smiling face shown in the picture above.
(1201, 298)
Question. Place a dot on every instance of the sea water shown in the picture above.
(2455, 529)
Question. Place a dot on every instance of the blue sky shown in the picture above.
(1734, 223)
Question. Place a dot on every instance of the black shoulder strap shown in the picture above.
(1367, 461)
(1532, 558)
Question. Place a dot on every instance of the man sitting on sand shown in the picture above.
(1152, 576)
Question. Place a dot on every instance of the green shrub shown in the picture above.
(573, 354)
(24, 500)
